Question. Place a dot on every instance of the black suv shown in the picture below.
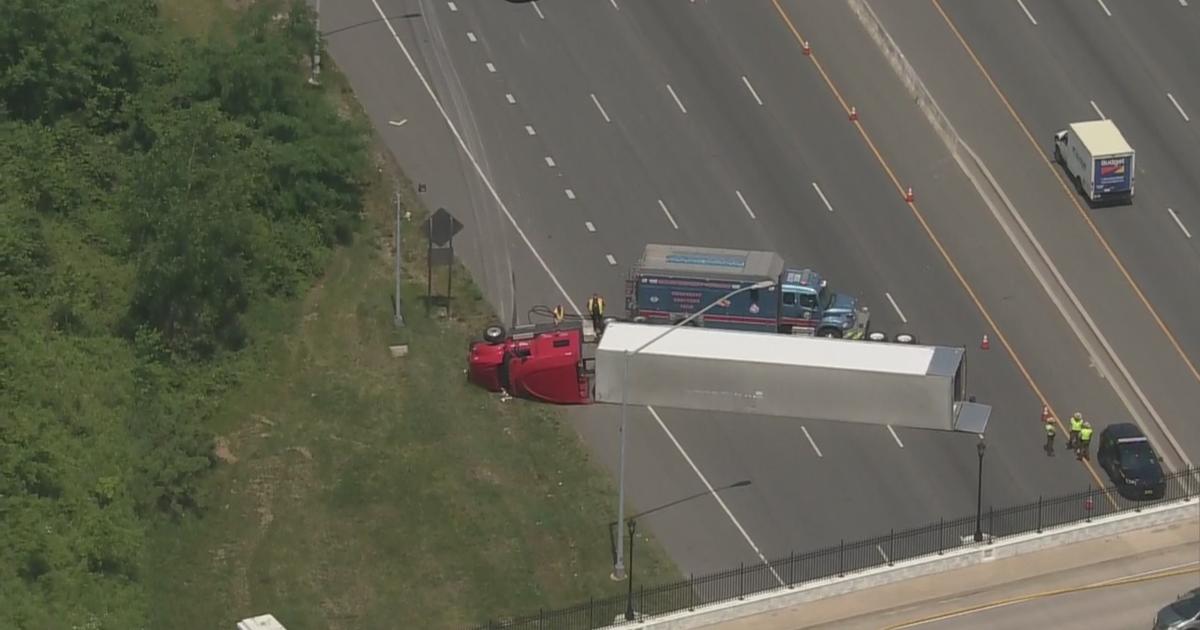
(1126, 456)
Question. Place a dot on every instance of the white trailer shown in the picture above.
(790, 376)
(1098, 159)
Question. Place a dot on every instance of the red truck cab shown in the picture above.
(540, 362)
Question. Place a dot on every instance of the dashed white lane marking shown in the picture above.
(614, 3)
(716, 496)
(589, 226)
(512, 100)
(744, 204)
(880, 548)
(453, 7)
(611, 261)
(895, 437)
(1179, 223)
(1105, 7)
(668, 213)
(1183, 3)
(530, 130)
(550, 161)
(752, 91)
(822, 196)
(462, 145)
(397, 123)
(1178, 108)
(1027, 13)
(1097, 108)
(471, 37)
(676, 97)
(490, 66)
(570, 193)
(538, 9)
(810, 440)
(896, 307)
(601, 108)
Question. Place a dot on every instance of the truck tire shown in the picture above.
(1058, 159)
(494, 333)
(830, 332)
(877, 335)
(906, 338)
(1079, 185)
(639, 319)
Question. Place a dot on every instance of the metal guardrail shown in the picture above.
(850, 557)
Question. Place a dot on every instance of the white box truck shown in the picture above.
(1098, 159)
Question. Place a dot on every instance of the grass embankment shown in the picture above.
(360, 490)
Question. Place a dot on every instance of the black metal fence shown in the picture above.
(851, 556)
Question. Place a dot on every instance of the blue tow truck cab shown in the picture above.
(671, 282)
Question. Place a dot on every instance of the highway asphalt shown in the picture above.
(518, 80)
(1051, 74)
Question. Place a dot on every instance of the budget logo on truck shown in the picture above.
(1112, 171)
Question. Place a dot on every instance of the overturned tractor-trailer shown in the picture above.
(870, 382)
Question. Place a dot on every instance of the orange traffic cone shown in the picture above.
(985, 344)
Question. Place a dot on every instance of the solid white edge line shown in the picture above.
(676, 97)
(601, 108)
(895, 437)
(745, 205)
(1105, 7)
(820, 194)
(1097, 108)
(712, 491)
(752, 91)
(538, 9)
(1027, 13)
(462, 144)
(668, 213)
(896, 307)
(811, 441)
(1179, 222)
(1178, 108)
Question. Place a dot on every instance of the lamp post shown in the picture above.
(619, 566)
(315, 77)
(979, 448)
(629, 612)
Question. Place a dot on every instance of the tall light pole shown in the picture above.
(315, 79)
(619, 566)
(979, 448)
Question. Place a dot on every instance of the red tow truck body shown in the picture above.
(541, 362)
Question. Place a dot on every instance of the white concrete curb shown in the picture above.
(973, 554)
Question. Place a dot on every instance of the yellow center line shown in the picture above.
(1070, 194)
(1157, 575)
(938, 244)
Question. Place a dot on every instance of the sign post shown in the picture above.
(440, 229)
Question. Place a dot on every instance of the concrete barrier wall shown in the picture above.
(973, 554)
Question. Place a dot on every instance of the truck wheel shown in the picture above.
(906, 338)
(1079, 185)
(639, 319)
(1058, 159)
(877, 335)
(831, 333)
(494, 333)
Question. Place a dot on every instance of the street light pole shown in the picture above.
(629, 616)
(619, 566)
(979, 448)
(315, 79)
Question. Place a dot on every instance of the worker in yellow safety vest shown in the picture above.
(595, 306)
(1076, 427)
(1050, 437)
(1085, 441)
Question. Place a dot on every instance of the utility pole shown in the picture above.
(399, 318)
(315, 79)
